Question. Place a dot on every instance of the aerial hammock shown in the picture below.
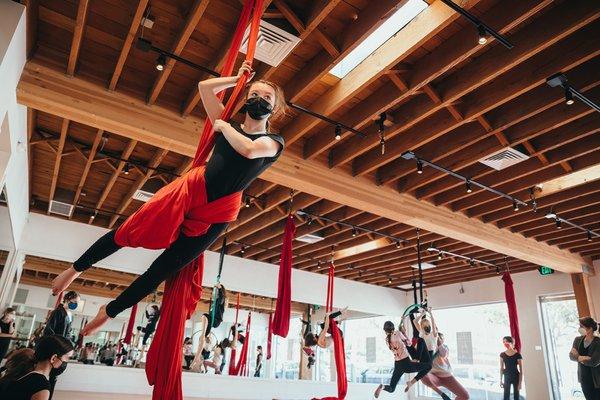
(338, 343)
(281, 320)
(239, 368)
(511, 303)
(182, 291)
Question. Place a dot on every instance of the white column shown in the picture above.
(10, 277)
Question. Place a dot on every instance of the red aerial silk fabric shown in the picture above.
(270, 337)
(241, 369)
(513, 316)
(339, 353)
(281, 320)
(181, 207)
(129, 331)
(235, 334)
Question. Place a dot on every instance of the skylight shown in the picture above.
(389, 28)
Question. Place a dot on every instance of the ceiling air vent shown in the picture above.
(310, 238)
(273, 44)
(504, 158)
(424, 266)
(62, 203)
(146, 192)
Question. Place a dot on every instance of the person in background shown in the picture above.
(324, 339)
(7, 330)
(586, 352)
(36, 335)
(89, 355)
(152, 315)
(27, 371)
(259, 357)
(511, 369)
(109, 355)
(188, 354)
(219, 355)
(59, 323)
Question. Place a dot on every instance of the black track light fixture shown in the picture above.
(468, 186)
(338, 132)
(160, 62)
(589, 236)
(560, 80)
(569, 97)
(318, 264)
(419, 166)
(354, 232)
(397, 244)
(247, 202)
(472, 262)
(440, 255)
(126, 169)
(482, 35)
(243, 250)
(389, 280)
(558, 223)
(515, 205)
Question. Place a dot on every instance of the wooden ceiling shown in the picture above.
(448, 99)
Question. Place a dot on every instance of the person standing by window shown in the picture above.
(7, 330)
(259, 357)
(586, 351)
(511, 369)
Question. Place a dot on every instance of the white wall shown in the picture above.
(528, 287)
(13, 117)
(64, 240)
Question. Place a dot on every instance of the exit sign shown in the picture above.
(545, 270)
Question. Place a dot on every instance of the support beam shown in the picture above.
(88, 165)
(133, 28)
(82, 10)
(90, 104)
(583, 295)
(61, 145)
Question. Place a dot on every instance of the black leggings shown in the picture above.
(509, 381)
(183, 251)
(589, 390)
(406, 366)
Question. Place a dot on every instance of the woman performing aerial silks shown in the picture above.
(239, 156)
(441, 374)
(397, 343)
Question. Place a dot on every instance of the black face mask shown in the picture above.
(257, 108)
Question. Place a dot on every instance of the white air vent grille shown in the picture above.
(310, 238)
(60, 208)
(424, 266)
(142, 195)
(146, 192)
(273, 44)
(504, 158)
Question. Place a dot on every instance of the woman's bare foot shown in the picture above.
(94, 325)
(409, 385)
(378, 391)
(63, 280)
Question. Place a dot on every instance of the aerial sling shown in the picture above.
(281, 319)
(182, 208)
(338, 342)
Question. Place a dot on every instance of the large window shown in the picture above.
(287, 352)
(474, 336)
(559, 319)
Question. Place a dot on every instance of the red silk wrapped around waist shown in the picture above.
(179, 207)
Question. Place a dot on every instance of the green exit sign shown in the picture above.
(545, 270)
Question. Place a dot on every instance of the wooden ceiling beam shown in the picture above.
(154, 162)
(193, 18)
(449, 54)
(115, 175)
(413, 116)
(61, 145)
(82, 10)
(90, 104)
(133, 28)
(433, 19)
(86, 168)
(32, 9)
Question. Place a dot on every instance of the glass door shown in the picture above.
(560, 323)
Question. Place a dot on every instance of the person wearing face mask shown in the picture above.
(59, 323)
(586, 352)
(511, 369)
(7, 330)
(27, 371)
(177, 216)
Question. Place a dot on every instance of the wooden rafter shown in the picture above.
(32, 21)
(88, 165)
(133, 28)
(82, 10)
(193, 18)
(107, 188)
(61, 145)
(157, 158)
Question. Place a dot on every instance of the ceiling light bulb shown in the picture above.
(482, 35)
(569, 97)
(389, 280)
(515, 205)
(440, 256)
(160, 62)
(558, 223)
(589, 235)
(126, 169)
(354, 232)
(419, 167)
(318, 264)
(397, 244)
(468, 185)
(338, 132)
(247, 202)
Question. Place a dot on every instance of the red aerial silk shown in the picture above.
(339, 353)
(513, 316)
(235, 336)
(281, 321)
(129, 331)
(270, 337)
(241, 369)
(182, 207)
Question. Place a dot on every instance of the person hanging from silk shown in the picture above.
(324, 339)
(241, 153)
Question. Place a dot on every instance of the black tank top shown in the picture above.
(227, 171)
